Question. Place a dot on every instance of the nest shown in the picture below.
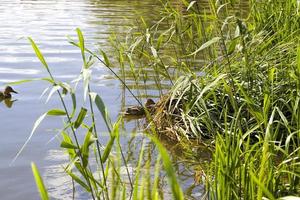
(169, 121)
(193, 110)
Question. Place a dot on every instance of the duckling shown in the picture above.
(6, 94)
(139, 110)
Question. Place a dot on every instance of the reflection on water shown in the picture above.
(6, 96)
(60, 185)
(49, 22)
(8, 102)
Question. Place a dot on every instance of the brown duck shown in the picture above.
(6, 94)
(139, 110)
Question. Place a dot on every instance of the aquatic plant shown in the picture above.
(102, 180)
(243, 95)
(233, 84)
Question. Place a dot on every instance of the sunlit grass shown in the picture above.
(243, 94)
(102, 181)
(234, 84)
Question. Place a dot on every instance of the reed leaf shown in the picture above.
(80, 118)
(53, 112)
(39, 182)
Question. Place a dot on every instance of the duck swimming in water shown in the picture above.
(6, 94)
(139, 110)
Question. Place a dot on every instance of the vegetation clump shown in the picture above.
(232, 77)
(236, 82)
(250, 72)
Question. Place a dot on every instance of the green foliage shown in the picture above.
(233, 78)
(104, 186)
(176, 189)
(39, 182)
(243, 95)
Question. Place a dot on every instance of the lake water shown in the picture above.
(49, 22)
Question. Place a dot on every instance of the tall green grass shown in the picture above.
(102, 180)
(232, 70)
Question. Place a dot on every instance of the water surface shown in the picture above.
(49, 22)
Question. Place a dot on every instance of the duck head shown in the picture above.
(7, 92)
(149, 103)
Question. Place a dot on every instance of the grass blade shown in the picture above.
(39, 182)
(54, 112)
(175, 187)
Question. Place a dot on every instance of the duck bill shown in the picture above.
(14, 91)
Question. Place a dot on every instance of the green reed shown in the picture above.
(232, 70)
(103, 179)
(247, 94)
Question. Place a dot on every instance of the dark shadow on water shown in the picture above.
(8, 102)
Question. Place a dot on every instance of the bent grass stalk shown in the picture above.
(86, 66)
(256, 102)
(41, 58)
(247, 101)
(79, 152)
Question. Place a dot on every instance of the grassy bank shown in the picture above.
(235, 66)
(233, 70)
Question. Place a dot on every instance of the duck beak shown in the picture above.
(14, 91)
